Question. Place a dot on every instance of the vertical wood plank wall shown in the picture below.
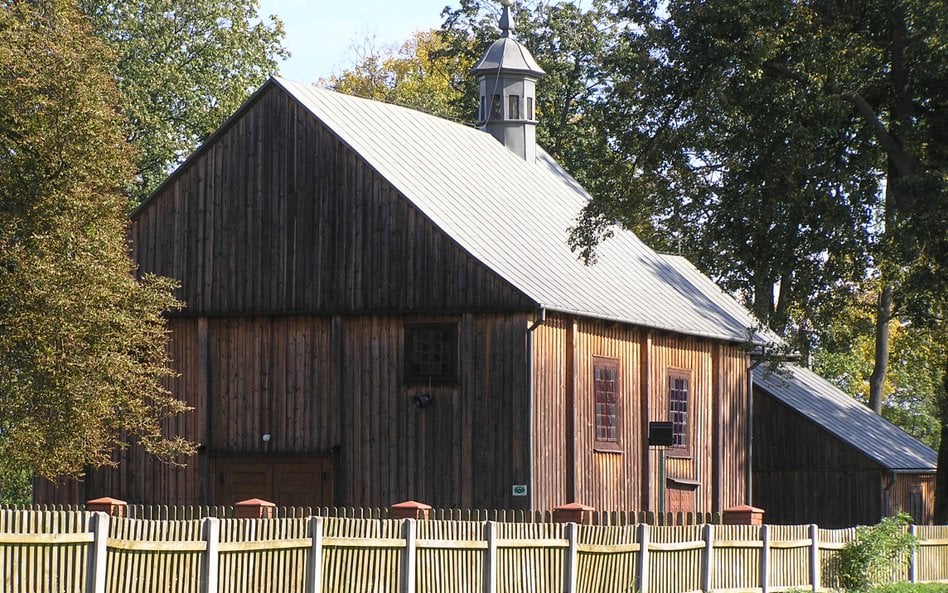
(277, 215)
(613, 481)
(899, 495)
(802, 473)
(300, 265)
(316, 391)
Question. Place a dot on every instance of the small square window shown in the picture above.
(431, 353)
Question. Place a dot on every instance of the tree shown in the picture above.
(913, 389)
(183, 68)
(797, 151)
(415, 75)
(82, 342)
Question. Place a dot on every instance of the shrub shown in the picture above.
(871, 557)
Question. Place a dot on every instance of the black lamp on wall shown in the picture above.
(421, 400)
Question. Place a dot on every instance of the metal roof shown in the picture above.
(507, 54)
(849, 420)
(515, 217)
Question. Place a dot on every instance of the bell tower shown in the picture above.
(507, 76)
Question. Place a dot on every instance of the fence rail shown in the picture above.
(74, 551)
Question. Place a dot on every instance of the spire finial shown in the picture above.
(507, 26)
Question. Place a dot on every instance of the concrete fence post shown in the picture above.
(765, 558)
(913, 558)
(408, 560)
(707, 559)
(642, 572)
(572, 558)
(210, 572)
(95, 579)
(815, 568)
(314, 569)
(490, 559)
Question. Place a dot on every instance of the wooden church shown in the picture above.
(382, 306)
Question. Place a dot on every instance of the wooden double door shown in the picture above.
(286, 480)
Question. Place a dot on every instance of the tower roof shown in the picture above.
(507, 54)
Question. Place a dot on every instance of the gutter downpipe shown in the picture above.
(540, 320)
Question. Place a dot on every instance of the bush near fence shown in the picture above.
(63, 550)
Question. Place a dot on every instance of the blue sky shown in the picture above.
(320, 34)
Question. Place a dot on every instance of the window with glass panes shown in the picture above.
(606, 395)
(678, 396)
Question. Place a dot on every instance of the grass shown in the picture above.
(910, 588)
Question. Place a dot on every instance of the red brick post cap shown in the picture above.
(254, 508)
(743, 514)
(108, 505)
(410, 509)
(572, 512)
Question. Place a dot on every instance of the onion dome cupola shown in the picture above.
(507, 76)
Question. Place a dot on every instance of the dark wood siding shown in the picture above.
(277, 215)
(331, 387)
(804, 474)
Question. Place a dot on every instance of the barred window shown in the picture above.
(431, 353)
(678, 396)
(606, 395)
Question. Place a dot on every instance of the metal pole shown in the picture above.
(661, 480)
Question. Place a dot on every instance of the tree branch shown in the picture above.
(900, 159)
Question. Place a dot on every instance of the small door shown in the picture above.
(680, 497)
(286, 480)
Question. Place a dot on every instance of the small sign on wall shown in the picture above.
(520, 490)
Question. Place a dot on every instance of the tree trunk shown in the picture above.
(877, 379)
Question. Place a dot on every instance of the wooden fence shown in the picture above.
(74, 551)
(188, 512)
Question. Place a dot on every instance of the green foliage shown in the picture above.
(183, 68)
(417, 74)
(16, 484)
(913, 387)
(871, 557)
(82, 343)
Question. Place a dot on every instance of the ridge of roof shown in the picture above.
(849, 420)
